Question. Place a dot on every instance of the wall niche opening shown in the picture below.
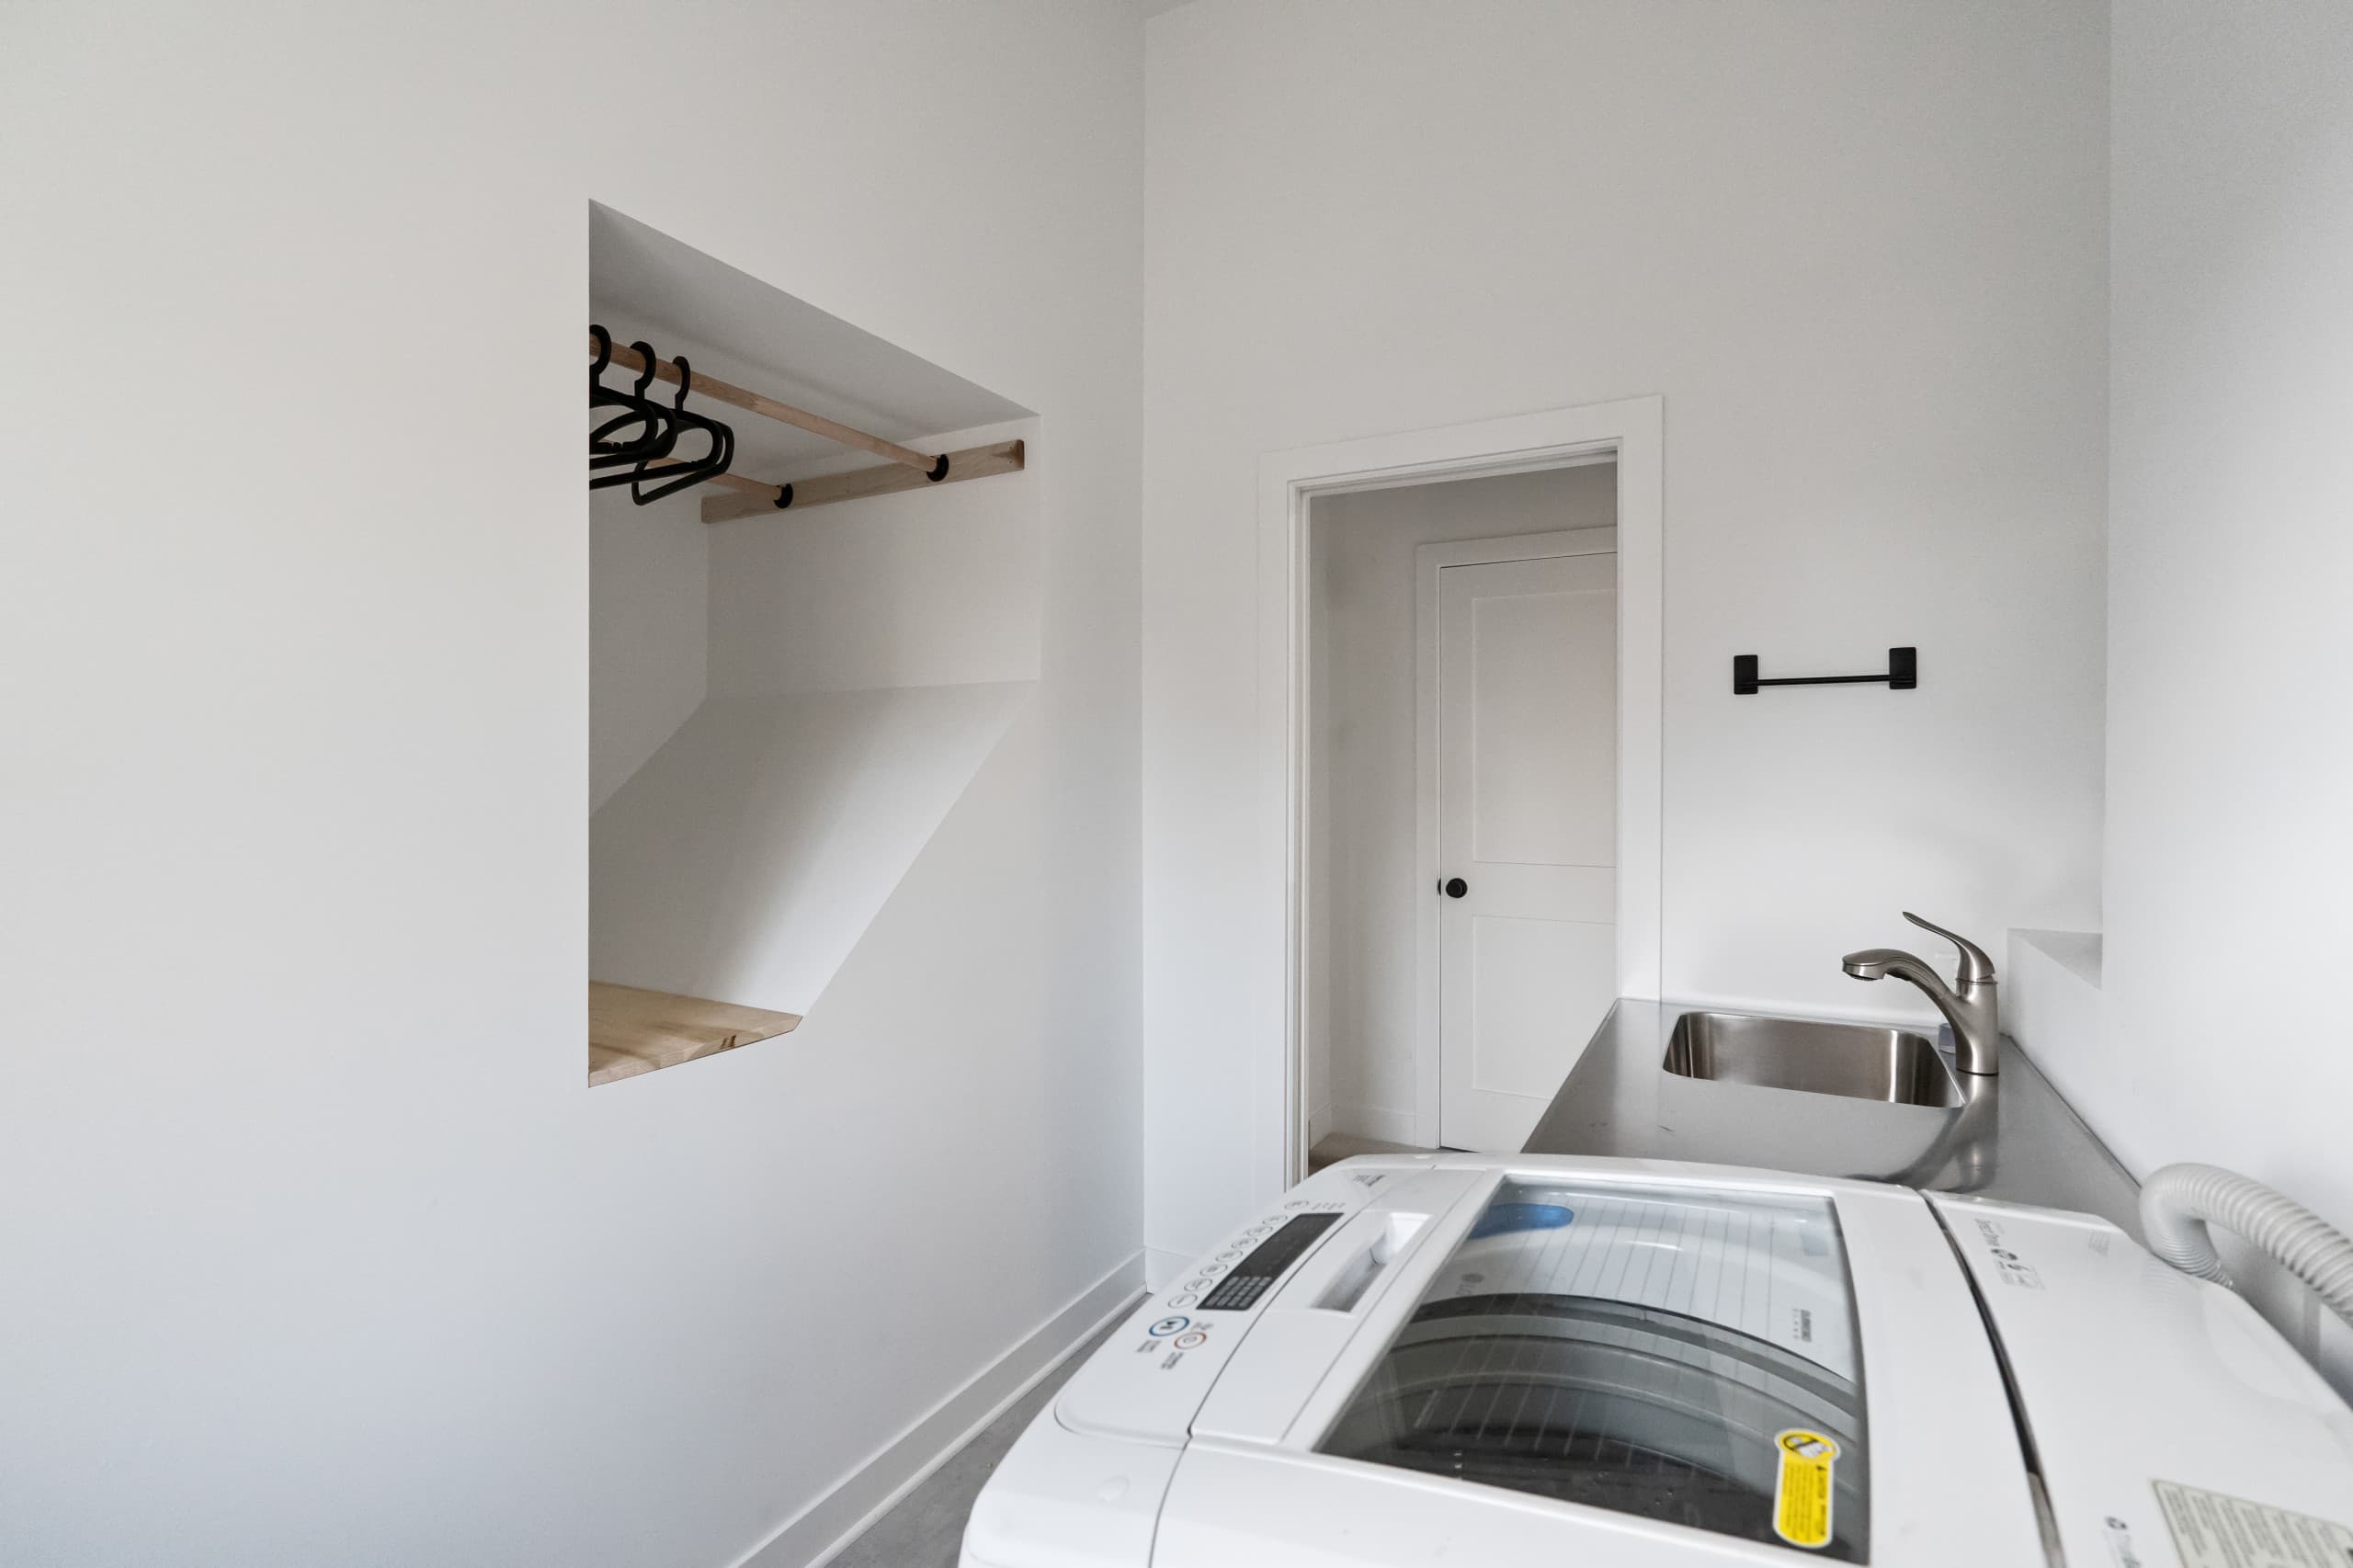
(785, 701)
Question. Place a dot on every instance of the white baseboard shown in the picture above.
(1161, 1265)
(811, 1537)
(1374, 1121)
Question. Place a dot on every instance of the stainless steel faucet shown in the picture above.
(1967, 1005)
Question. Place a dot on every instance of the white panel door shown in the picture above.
(1528, 830)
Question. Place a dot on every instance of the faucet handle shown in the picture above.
(1975, 967)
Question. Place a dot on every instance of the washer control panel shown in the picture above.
(1256, 1272)
(1147, 1381)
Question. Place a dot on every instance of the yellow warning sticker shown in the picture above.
(1802, 1496)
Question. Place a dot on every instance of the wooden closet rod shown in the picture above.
(736, 397)
(753, 499)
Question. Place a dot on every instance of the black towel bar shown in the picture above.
(1902, 673)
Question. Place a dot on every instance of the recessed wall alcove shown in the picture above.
(784, 706)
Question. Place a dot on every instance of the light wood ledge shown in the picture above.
(631, 1030)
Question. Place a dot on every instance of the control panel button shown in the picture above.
(1168, 1325)
(1181, 1302)
(1192, 1341)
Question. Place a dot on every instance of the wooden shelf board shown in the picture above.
(633, 1031)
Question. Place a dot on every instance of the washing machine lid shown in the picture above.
(1674, 1355)
(1647, 1360)
(2171, 1425)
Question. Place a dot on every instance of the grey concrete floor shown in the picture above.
(924, 1528)
(1339, 1146)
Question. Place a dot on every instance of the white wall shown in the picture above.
(865, 658)
(1859, 249)
(2230, 536)
(320, 1250)
(1367, 903)
(921, 588)
(649, 629)
(747, 860)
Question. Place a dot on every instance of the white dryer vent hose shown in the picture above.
(2180, 1201)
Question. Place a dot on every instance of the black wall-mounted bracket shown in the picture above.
(1902, 673)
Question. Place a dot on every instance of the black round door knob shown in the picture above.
(1454, 887)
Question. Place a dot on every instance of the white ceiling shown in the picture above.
(643, 284)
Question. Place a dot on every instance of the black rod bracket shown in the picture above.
(1902, 673)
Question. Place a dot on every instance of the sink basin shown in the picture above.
(1858, 1061)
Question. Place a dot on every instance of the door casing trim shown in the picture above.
(1629, 432)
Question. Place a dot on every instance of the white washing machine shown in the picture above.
(1487, 1361)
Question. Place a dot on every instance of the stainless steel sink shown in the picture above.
(1857, 1060)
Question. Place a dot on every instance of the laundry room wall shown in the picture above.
(921, 588)
(1860, 252)
(863, 661)
(338, 1256)
(1367, 896)
(649, 629)
(2228, 844)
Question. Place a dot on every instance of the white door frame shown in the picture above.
(1430, 561)
(1631, 433)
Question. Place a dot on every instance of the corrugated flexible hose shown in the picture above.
(2180, 1201)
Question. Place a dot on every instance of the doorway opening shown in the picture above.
(1468, 649)
(1461, 899)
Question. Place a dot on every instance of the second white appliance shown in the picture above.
(1506, 1361)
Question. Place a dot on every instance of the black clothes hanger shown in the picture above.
(714, 462)
(641, 433)
(644, 430)
(599, 447)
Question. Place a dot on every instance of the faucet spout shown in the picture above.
(1971, 1007)
(1878, 963)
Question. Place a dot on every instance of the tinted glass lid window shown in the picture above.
(1685, 1355)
